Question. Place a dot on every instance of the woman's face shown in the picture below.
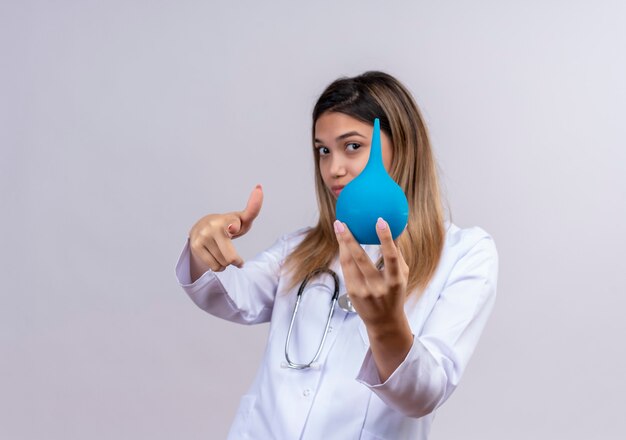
(343, 143)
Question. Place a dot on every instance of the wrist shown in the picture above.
(396, 330)
(196, 267)
(390, 343)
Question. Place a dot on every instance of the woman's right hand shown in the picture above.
(210, 239)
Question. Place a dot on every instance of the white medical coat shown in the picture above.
(343, 398)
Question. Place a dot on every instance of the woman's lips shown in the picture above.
(336, 190)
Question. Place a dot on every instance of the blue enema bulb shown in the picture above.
(370, 195)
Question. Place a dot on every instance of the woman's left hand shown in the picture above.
(378, 296)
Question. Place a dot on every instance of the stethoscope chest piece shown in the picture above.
(345, 304)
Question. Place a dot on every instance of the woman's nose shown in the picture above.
(338, 166)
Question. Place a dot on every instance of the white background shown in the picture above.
(123, 122)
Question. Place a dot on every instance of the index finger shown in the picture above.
(354, 250)
(229, 252)
(388, 248)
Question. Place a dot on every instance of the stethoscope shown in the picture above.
(344, 303)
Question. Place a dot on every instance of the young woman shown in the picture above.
(378, 369)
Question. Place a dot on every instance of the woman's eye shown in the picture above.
(323, 151)
(353, 146)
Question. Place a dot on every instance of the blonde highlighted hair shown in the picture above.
(365, 97)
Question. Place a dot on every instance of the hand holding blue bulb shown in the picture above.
(373, 194)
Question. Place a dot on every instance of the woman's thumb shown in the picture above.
(253, 207)
(244, 218)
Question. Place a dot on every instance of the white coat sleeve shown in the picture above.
(245, 295)
(434, 365)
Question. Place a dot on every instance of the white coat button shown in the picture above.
(330, 328)
(306, 392)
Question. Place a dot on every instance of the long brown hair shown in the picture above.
(365, 97)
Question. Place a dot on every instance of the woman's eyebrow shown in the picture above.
(343, 136)
(349, 134)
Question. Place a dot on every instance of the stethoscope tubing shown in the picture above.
(333, 304)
